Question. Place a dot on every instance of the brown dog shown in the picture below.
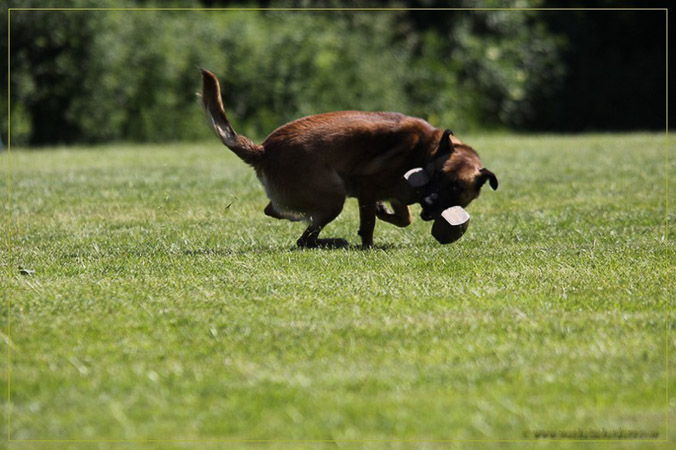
(309, 166)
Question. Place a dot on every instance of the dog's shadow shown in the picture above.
(223, 252)
(255, 249)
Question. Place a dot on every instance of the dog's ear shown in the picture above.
(442, 154)
(487, 175)
(445, 145)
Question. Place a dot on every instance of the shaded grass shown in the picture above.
(165, 305)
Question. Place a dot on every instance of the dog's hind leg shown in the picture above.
(310, 238)
(270, 211)
(401, 216)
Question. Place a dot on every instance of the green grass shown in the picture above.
(165, 305)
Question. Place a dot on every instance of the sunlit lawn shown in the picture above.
(150, 298)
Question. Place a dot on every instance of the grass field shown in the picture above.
(150, 298)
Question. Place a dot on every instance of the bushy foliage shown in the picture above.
(94, 76)
(137, 75)
(485, 69)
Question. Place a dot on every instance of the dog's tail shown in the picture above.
(243, 147)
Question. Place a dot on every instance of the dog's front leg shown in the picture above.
(367, 221)
(401, 216)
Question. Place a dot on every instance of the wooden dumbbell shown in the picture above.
(412, 185)
(450, 225)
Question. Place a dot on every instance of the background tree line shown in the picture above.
(97, 76)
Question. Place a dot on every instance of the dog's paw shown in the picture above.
(382, 210)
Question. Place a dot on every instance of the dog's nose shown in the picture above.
(426, 215)
(430, 200)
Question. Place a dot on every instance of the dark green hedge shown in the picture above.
(95, 76)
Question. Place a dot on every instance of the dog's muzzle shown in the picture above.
(429, 204)
(426, 215)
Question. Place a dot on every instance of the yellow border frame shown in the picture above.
(9, 239)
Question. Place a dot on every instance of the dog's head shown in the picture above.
(456, 177)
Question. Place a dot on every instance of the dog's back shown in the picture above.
(355, 144)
